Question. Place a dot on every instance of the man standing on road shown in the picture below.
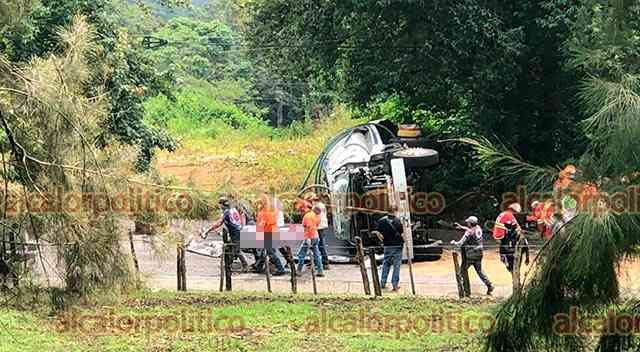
(471, 244)
(391, 230)
(323, 228)
(310, 222)
(232, 220)
(507, 231)
(266, 224)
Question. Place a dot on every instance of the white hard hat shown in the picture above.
(472, 220)
(515, 207)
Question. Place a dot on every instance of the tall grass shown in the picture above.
(246, 162)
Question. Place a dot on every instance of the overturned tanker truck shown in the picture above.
(367, 170)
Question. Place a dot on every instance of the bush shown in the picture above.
(195, 113)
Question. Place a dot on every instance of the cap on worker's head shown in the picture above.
(223, 201)
(569, 171)
(534, 204)
(311, 196)
(472, 220)
(303, 205)
(515, 207)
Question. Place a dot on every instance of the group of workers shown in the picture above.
(269, 219)
(545, 218)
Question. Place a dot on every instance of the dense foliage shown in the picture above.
(129, 76)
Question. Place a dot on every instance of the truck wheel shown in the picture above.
(418, 157)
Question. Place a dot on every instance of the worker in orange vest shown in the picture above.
(574, 196)
(542, 216)
(507, 231)
(506, 221)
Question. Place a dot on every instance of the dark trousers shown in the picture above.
(236, 251)
(274, 259)
(477, 265)
(322, 233)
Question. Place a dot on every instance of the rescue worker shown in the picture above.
(391, 229)
(472, 246)
(507, 231)
(542, 217)
(232, 220)
(266, 224)
(323, 228)
(575, 196)
(310, 222)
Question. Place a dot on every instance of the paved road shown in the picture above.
(158, 268)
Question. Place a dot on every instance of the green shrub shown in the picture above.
(195, 113)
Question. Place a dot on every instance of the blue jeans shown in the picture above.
(302, 253)
(392, 256)
(322, 233)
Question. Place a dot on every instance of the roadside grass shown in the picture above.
(249, 322)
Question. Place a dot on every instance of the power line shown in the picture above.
(151, 42)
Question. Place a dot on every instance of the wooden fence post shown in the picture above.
(374, 273)
(228, 259)
(181, 267)
(410, 262)
(222, 269)
(135, 258)
(465, 274)
(178, 273)
(517, 262)
(363, 269)
(292, 267)
(456, 268)
(267, 270)
(313, 269)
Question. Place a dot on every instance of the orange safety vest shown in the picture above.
(543, 216)
(500, 227)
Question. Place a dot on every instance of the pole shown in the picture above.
(183, 266)
(363, 269)
(222, 269)
(410, 262)
(292, 266)
(179, 266)
(464, 272)
(267, 270)
(517, 262)
(456, 268)
(135, 258)
(228, 259)
(374, 273)
(313, 270)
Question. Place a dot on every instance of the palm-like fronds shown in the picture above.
(579, 267)
(512, 167)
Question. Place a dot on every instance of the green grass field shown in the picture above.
(168, 321)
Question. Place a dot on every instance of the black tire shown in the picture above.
(418, 157)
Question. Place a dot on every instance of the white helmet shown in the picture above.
(472, 220)
(515, 207)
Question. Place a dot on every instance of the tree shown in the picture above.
(500, 62)
(49, 125)
(128, 75)
(579, 266)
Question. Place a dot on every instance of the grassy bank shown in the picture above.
(167, 321)
(246, 161)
